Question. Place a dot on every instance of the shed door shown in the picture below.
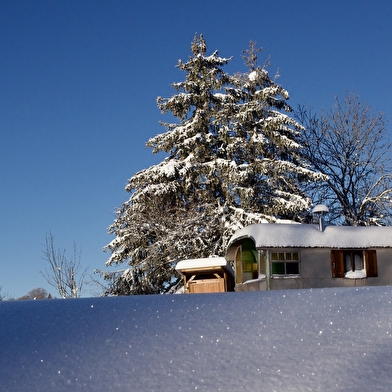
(238, 264)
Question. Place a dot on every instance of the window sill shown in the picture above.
(285, 276)
(355, 275)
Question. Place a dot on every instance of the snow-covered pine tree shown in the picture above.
(232, 160)
(266, 146)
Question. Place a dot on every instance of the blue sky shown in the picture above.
(78, 88)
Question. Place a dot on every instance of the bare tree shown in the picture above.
(66, 275)
(350, 145)
(5, 296)
(38, 293)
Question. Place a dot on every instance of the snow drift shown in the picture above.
(298, 340)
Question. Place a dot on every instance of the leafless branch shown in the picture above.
(65, 275)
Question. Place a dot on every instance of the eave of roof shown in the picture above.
(275, 235)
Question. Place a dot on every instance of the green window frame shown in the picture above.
(285, 263)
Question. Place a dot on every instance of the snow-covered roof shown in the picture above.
(203, 263)
(275, 235)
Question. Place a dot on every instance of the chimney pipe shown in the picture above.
(320, 210)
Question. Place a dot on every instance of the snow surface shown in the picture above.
(308, 236)
(336, 339)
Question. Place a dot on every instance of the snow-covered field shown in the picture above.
(298, 340)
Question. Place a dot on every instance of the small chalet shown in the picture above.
(273, 256)
(209, 275)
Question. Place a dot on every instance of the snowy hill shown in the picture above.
(298, 340)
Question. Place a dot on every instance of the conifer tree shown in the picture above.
(267, 146)
(232, 160)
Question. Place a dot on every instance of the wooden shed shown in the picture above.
(207, 275)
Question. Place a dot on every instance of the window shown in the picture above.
(285, 263)
(353, 263)
(249, 267)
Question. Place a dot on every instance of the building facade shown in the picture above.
(298, 256)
